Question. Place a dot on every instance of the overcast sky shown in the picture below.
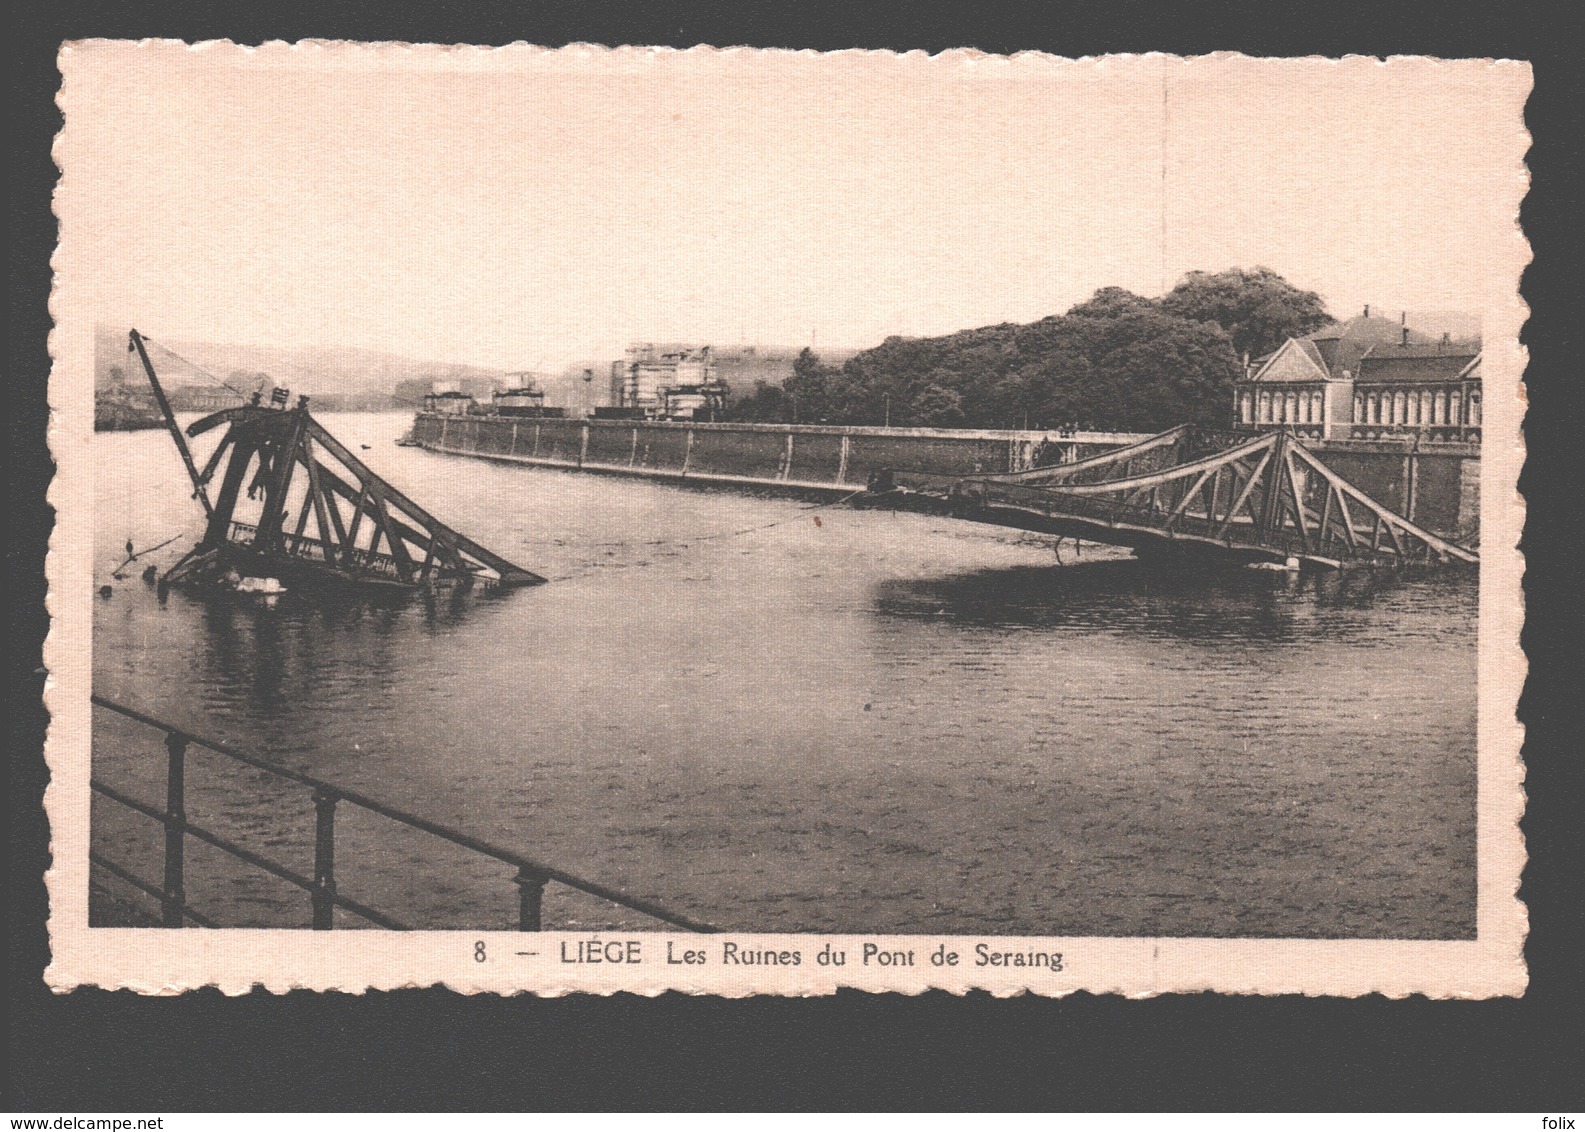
(520, 209)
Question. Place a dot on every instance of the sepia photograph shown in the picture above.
(769, 521)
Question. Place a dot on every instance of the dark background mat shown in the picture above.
(433, 1050)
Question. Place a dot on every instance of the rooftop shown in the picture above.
(1367, 329)
(1418, 361)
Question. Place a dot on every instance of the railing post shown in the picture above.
(175, 898)
(324, 893)
(530, 899)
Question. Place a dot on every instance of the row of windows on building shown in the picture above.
(1418, 407)
(1276, 407)
(1383, 407)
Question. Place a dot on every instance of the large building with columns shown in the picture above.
(1433, 392)
(1369, 378)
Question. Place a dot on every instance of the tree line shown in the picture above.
(1116, 362)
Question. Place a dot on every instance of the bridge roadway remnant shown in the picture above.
(1191, 492)
(1435, 486)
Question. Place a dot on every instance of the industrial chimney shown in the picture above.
(1403, 323)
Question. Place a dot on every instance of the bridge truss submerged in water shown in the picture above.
(1266, 498)
(364, 531)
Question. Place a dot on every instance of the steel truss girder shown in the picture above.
(419, 548)
(1170, 444)
(1267, 483)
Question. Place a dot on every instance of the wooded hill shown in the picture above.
(1118, 361)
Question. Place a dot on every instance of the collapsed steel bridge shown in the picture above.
(1258, 499)
(338, 521)
(1188, 490)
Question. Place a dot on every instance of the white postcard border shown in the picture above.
(238, 960)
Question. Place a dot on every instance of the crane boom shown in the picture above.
(135, 343)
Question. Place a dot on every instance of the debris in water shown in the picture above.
(260, 586)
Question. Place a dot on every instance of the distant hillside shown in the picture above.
(1460, 326)
(350, 377)
(332, 375)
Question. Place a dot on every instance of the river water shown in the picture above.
(775, 718)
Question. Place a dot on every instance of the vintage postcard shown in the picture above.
(763, 522)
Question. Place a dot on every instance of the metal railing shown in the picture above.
(1423, 433)
(531, 878)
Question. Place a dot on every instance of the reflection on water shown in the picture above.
(1160, 598)
(876, 722)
